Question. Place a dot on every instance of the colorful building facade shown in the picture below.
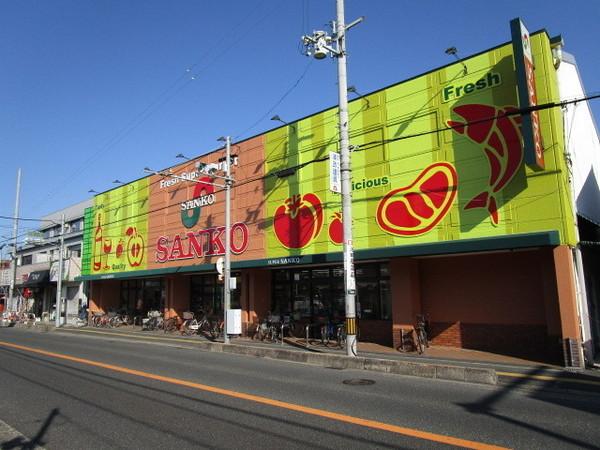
(448, 219)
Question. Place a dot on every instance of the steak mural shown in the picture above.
(417, 208)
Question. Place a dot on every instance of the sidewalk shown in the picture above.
(437, 362)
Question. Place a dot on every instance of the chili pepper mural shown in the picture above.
(500, 137)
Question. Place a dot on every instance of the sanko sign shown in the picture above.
(207, 242)
(204, 195)
(524, 68)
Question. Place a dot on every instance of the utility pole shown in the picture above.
(227, 261)
(14, 244)
(60, 271)
(319, 46)
(210, 170)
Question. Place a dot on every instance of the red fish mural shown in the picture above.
(501, 139)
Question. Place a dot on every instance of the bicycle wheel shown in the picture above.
(170, 325)
(341, 336)
(185, 328)
(324, 338)
(420, 342)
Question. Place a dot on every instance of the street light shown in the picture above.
(276, 118)
(319, 45)
(452, 51)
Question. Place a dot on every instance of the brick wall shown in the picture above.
(529, 341)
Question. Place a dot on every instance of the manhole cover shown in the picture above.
(358, 382)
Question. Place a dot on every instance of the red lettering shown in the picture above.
(195, 245)
(208, 242)
(215, 245)
(162, 251)
(177, 250)
(240, 229)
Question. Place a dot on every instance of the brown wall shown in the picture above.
(104, 294)
(505, 302)
(178, 295)
(499, 288)
(247, 201)
(259, 292)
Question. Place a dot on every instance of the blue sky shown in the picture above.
(95, 90)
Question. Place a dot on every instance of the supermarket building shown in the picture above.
(451, 218)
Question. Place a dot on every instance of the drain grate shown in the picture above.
(358, 382)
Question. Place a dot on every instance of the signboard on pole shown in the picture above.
(335, 179)
(524, 68)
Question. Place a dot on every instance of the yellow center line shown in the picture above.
(267, 401)
(135, 336)
(546, 378)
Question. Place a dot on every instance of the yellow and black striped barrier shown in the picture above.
(351, 325)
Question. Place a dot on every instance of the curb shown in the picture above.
(423, 370)
(416, 369)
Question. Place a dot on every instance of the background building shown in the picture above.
(37, 269)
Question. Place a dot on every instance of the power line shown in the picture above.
(157, 103)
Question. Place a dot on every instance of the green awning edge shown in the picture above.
(541, 239)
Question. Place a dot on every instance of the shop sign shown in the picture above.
(456, 91)
(335, 181)
(204, 195)
(524, 68)
(198, 244)
(283, 261)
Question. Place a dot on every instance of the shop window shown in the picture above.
(319, 293)
(151, 292)
(207, 293)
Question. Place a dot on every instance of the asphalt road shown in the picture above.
(71, 391)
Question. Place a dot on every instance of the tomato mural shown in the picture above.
(417, 208)
(336, 229)
(298, 221)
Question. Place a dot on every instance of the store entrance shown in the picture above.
(207, 294)
(318, 292)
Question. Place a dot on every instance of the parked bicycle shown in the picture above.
(190, 325)
(154, 321)
(421, 334)
(171, 325)
(333, 332)
(268, 329)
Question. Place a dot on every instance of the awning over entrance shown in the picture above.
(37, 278)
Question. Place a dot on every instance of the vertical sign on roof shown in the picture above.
(532, 137)
(335, 181)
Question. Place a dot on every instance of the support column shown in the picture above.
(567, 303)
(406, 295)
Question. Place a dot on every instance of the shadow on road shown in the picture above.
(540, 390)
(22, 443)
(201, 408)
